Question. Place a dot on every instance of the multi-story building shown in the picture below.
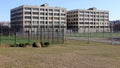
(30, 19)
(115, 25)
(4, 28)
(88, 20)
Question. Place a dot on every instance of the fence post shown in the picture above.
(89, 33)
(1, 32)
(63, 32)
(112, 40)
(28, 37)
(15, 37)
(0, 38)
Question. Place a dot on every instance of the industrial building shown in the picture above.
(30, 19)
(88, 20)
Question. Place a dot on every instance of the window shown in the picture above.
(101, 12)
(41, 22)
(81, 22)
(46, 18)
(27, 12)
(57, 18)
(63, 10)
(41, 9)
(91, 12)
(46, 9)
(86, 22)
(41, 17)
(27, 17)
(62, 26)
(97, 12)
(63, 14)
(41, 13)
(86, 26)
(62, 18)
(57, 14)
(91, 22)
(51, 26)
(35, 26)
(51, 18)
(46, 13)
(35, 13)
(57, 10)
(27, 8)
(56, 22)
(56, 26)
(91, 26)
(50, 9)
(81, 15)
(50, 22)
(27, 26)
(41, 26)
(36, 9)
(50, 13)
(62, 22)
(81, 11)
(27, 22)
(35, 22)
(35, 17)
(46, 22)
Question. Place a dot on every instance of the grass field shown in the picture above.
(13, 40)
(99, 35)
(72, 54)
(18, 40)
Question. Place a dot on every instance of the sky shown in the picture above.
(111, 5)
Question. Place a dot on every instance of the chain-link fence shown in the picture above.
(111, 37)
(51, 36)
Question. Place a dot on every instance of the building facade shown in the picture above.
(88, 20)
(115, 25)
(30, 19)
(4, 28)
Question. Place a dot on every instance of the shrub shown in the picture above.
(46, 44)
(14, 45)
(27, 44)
(22, 45)
(42, 44)
(36, 44)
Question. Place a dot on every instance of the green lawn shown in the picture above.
(18, 39)
(72, 54)
(99, 35)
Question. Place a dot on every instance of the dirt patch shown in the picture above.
(4, 46)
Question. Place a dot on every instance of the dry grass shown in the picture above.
(72, 54)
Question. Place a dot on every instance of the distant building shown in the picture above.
(30, 19)
(115, 25)
(4, 28)
(88, 20)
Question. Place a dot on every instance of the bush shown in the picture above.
(36, 44)
(46, 44)
(14, 45)
(33, 45)
(27, 44)
(22, 45)
(42, 44)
